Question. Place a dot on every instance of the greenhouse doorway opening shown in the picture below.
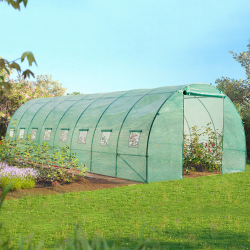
(203, 128)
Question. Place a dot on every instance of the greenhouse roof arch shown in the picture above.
(137, 134)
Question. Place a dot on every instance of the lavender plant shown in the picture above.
(21, 178)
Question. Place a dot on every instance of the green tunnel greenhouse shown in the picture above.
(135, 135)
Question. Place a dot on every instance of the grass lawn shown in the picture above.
(211, 212)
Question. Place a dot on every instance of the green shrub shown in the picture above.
(206, 155)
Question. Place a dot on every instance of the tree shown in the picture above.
(10, 100)
(6, 65)
(5, 73)
(75, 93)
(239, 91)
(46, 82)
(16, 4)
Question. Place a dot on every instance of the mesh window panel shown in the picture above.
(134, 139)
(105, 138)
(82, 136)
(11, 132)
(47, 135)
(33, 134)
(63, 135)
(21, 133)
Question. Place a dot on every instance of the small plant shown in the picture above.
(188, 169)
(206, 155)
(22, 178)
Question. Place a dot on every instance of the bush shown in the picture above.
(204, 155)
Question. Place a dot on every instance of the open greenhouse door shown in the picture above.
(203, 127)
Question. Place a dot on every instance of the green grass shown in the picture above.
(210, 212)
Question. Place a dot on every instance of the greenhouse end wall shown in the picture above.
(135, 135)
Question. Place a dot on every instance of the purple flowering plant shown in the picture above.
(24, 178)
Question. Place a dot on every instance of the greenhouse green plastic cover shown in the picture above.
(137, 134)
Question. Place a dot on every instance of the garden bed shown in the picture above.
(82, 184)
(194, 174)
(46, 187)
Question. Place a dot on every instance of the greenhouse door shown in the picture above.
(203, 119)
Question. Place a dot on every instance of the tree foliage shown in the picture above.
(50, 86)
(6, 65)
(75, 93)
(16, 3)
(10, 100)
(239, 91)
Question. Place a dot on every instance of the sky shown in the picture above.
(96, 46)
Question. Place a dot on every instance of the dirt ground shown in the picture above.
(90, 182)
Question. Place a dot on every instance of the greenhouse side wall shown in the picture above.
(166, 141)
